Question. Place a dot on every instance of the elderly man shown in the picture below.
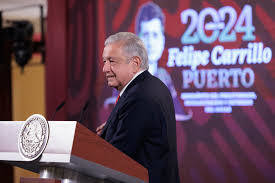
(142, 122)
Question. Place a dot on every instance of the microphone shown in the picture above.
(83, 111)
(58, 108)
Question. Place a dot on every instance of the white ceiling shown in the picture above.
(22, 8)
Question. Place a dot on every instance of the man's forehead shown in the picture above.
(110, 50)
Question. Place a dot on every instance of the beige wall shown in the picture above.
(28, 97)
(28, 89)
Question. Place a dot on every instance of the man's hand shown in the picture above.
(100, 128)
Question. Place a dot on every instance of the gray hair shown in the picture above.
(132, 46)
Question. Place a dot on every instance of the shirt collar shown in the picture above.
(123, 89)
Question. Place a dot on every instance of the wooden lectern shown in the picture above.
(73, 154)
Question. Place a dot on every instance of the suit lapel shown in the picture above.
(112, 117)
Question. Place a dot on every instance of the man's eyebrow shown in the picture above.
(108, 58)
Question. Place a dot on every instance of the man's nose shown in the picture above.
(106, 67)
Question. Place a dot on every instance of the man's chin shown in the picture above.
(112, 84)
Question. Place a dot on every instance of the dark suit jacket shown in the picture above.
(143, 125)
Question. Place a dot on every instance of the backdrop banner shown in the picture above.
(216, 59)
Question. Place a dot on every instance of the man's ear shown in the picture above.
(136, 61)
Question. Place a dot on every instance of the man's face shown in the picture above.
(117, 68)
(152, 36)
